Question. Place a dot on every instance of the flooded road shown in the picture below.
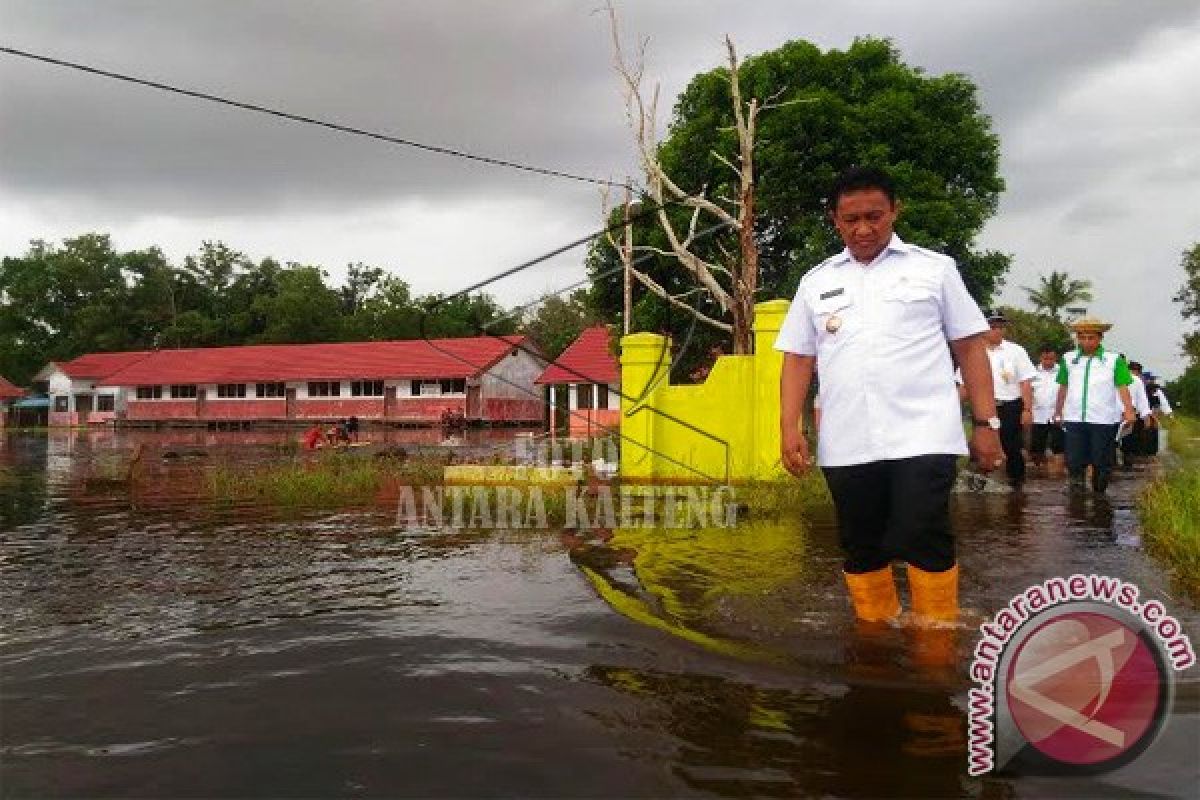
(166, 647)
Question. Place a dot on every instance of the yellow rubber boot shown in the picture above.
(873, 594)
(934, 594)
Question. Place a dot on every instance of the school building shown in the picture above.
(487, 379)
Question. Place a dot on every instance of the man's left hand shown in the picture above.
(1026, 417)
(1128, 415)
(985, 449)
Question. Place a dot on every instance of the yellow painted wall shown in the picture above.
(725, 429)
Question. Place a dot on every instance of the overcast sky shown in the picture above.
(1095, 104)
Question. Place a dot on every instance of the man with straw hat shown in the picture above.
(1093, 402)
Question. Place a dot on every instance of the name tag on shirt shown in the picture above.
(833, 293)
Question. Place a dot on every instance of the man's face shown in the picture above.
(864, 219)
(995, 334)
(1048, 359)
(1088, 342)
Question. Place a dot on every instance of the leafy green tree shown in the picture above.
(833, 109)
(463, 315)
(1057, 292)
(303, 310)
(1188, 296)
(557, 321)
(60, 301)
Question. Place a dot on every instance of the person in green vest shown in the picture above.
(1093, 402)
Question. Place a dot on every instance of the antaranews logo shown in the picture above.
(1074, 676)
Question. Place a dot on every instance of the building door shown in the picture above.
(474, 402)
(201, 401)
(83, 406)
(289, 403)
(389, 402)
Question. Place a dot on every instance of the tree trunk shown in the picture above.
(627, 259)
(745, 281)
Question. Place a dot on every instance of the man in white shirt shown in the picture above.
(1046, 434)
(878, 316)
(1159, 408)
(1012, 382)
(1135, 442)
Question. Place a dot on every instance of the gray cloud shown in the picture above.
(1091, 119)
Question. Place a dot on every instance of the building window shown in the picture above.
(106, 402)
(149, 393)
(61, 404)
(231, 390)
(324, 389)
(602, 396)
(268, 390)
(366, 388)
(183, 391)
(426, 388)
(455, 386)
(583, 395)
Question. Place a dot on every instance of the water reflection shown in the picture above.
(155, 645)
(739, 739)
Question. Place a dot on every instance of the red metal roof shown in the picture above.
(587, 360)
(418, 358)
(95, 366)
(9, 391)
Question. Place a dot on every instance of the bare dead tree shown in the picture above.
(740, 269)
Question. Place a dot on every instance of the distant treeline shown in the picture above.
(58, 302)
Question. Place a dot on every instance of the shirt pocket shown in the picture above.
(911, 308)
(831, 315)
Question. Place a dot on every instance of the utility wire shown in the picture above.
(336, 126)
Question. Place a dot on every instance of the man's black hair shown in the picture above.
(1135, 365)
(1047, 347)
(857, 179)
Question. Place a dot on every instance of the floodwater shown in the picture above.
(159, 646)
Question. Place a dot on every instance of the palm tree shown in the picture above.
(1058, 291)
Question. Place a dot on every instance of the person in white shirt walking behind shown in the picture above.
(1134, 442)
(1012, 382)
(1093, 401)
(1047, 435)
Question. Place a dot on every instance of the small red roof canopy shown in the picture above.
(587, 360)
(418, 358)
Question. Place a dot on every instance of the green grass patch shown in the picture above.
(326, 480)
(1170, 507)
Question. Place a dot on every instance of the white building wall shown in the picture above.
(513, 377)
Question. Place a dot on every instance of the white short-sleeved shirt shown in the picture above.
(1010, 366)
(1137, 393)
(879, 333)
(1163, 405)
(1045, 394)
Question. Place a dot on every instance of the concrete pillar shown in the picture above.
(768, 364)
(645, 363)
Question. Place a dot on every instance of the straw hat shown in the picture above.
(1090, 325)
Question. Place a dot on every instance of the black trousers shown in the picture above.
(1150, 441)
(1009, 412)
(1046, 435)
(1091, 444)
(895, 510)
(1133, 444)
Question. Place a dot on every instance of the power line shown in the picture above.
(336, 126)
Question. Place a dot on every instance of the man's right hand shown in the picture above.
(795, 453)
